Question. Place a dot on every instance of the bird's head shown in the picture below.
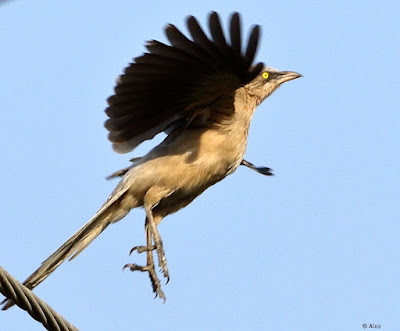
(267, 81)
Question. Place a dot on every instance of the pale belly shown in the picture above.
(186, 167)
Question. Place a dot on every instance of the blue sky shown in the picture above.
(314, 248)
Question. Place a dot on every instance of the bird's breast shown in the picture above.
(198, 158)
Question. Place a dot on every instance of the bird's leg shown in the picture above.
(155, 282)
(150, 200)
(261, 170)
(162, 260)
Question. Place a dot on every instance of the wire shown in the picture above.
(36, 307)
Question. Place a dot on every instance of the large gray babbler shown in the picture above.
(202, 93)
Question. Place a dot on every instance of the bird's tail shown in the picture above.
(110, 212)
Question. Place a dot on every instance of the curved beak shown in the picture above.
(285, 76)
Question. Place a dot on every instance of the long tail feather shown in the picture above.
(110, 212)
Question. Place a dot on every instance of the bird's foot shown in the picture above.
(150, 268)
(142, 249)
(261, 170)
(155, 282)
(162, 260)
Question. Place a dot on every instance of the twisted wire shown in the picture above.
(36, 307)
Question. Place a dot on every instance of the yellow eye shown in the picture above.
(265, 75)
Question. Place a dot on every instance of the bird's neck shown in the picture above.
(245, 105)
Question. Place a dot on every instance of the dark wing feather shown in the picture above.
(236, 35)
(218, 35)
(171, 84)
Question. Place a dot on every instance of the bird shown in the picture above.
(201, 91)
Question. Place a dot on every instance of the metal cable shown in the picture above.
(36, 307)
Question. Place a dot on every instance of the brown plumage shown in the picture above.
(172, 85)
(202, 92)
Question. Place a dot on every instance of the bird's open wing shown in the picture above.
(173, 84)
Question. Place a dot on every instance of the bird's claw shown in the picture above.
(261, 170)
(155, 282)
(142, 249)
(162, 261)
(264, 171)
(136, 267)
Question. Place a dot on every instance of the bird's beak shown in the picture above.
(288, 75)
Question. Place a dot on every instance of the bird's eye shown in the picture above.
(265, 75)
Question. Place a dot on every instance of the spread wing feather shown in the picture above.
(170, 84)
